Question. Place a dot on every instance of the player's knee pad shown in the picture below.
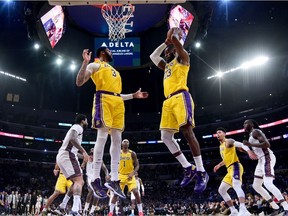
(170, 142)
(237, 186)
(223, 191)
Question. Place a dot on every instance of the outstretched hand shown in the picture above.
(140, 95)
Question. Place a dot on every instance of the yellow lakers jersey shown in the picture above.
(175, 77)
(126, 165)
(228, 155)
(107, 78)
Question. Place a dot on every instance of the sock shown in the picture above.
(44, 209)
(139, 206)
(93, 207)
(132, 211)
(199, 163)
(182, 159)
(64, 202)
(111, 207)
(76, 203)
(86, 207)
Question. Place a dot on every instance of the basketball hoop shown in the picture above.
(117, 16)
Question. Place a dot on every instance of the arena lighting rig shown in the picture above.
(246, 65)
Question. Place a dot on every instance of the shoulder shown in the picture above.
(93, 67)
(77, 128)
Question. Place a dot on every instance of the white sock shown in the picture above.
(199, 163)
(132, 211)
(76, 203)
(140, 208)
(182, 159)
(111, 207)
(93, 207)
(64, 202)
(86, 207)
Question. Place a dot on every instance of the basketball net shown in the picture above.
(116, 16)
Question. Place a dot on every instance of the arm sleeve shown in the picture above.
(142, 187)
(126, 96)
(93, 67)
(155, 56)
(241, 145)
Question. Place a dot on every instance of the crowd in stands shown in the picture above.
(24, 188)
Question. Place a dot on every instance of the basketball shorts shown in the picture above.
(265, 166)
(132, 184)
(62, 184)
(233, 171)
(177, 111)
(108, 111)
(69, 164)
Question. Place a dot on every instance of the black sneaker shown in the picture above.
(201, 181)
(97, 189)
(189, 174)
(114, 186)
(275, 212)
(60, 211)
(285, 213)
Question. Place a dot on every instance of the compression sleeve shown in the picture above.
(155, 56)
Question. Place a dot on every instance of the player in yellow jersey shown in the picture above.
(61, 186)
(233, 178)
(107, 114)
(128, 166)
(178, 108)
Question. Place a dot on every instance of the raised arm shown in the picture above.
(156, 56)
(183, 56)
(84, 75)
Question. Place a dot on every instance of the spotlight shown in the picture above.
(197, 45)
(36, 46)
(72, 66)
(59, 61)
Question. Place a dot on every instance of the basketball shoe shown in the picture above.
(114, 186)
(189, 174)
(97, 189)
(201, 181)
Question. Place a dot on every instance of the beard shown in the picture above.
(170, 57)
(85, 126)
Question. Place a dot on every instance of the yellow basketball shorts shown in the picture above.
(108, 111)
(124, 181)
(177, 111)
(233, 171)
(62, 184)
